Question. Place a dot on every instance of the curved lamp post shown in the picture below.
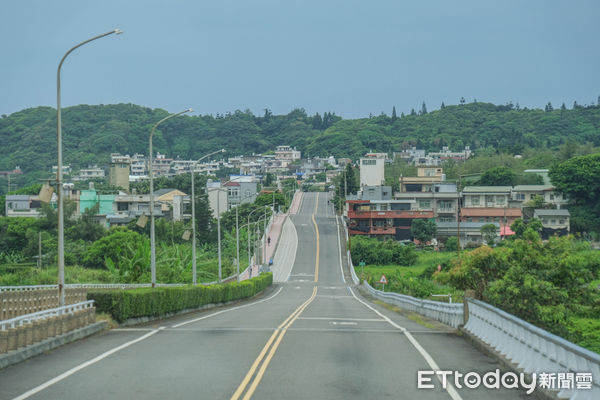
(194, 214)
(59, 173)
(152, 239)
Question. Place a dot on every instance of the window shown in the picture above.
(122, 206)
(475, 200)
(383, 207)
(561, 221)
(500, 200)
(489, 199)
(469, 219)
(520, 196)
(552, 222)
(425, 204)
(551, 197)
(369, 162)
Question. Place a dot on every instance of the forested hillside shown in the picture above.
(91, 133)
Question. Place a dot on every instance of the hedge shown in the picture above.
(156, 302)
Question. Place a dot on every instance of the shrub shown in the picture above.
(155, 302)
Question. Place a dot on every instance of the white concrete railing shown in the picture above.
(350, 265)
(25, 319)
(447, 313)
(352, 271)
(26, 288)
(533, 349)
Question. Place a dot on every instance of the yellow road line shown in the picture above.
(277, 335)
(265, 364)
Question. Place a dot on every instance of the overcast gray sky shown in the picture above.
(347, 56)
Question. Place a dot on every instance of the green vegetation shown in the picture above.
(156, 302)
(373, 251)
(91, 133)
(547, 284)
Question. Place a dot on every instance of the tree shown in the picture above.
(548, 107)
(394, 116)
(462, 101)
(423, 229)
(489, 233)
(498, 176)
(442, 106)
(423, 109)
(578, 178)
(350, 181)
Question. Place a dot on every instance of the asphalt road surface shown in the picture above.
(311, 337)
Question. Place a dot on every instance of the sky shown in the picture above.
(351, 57)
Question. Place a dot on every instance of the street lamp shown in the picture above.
(259, 208)
(59, 173)
(194, 214)
(219, 222)
(152, 239)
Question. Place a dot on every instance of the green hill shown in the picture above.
(91, 133)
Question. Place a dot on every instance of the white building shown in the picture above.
(287, 155)
(372, 169)
(217, 197)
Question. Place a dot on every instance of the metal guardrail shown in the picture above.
(447, 313)
(532, 348)
(25, 319)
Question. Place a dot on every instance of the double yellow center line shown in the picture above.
(277, 336)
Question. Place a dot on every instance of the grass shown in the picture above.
(408, 279)
(425, 259)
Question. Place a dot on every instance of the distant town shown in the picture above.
(376, 210)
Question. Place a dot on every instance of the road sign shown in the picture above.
(383, 280)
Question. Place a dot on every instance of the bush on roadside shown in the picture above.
(155, 302)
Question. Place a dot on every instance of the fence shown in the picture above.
(25, 330)
(533, 349)
(27, 300)
(447, 313)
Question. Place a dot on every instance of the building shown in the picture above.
(442, 200)
(118, 173)
(426, 179)
(161, 165)
(470, 232)
(287, 155)
(373, 212)
(446, 154)
(90, 173)
(554, 222)
(90, 199)
(240, 192)
(489, 204)
(217, 197)
(372, 169)
(138, 165)
(22, 205)
(66, 169)
(127, 207)
(527, 193)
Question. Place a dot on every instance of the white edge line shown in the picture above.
(73, 370)
(449, 387)
(227, 310)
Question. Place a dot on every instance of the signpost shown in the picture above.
(383, 281)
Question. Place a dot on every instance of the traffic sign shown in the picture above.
(383, 280)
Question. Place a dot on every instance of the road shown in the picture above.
(312, 336)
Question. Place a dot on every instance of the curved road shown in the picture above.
(311, 337)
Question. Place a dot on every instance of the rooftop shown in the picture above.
(551, 213)
(487, 189)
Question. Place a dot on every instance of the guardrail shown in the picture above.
(14, 303)
(355, 278)
(533, 349)
(32, 328)
(51, 312)
(447, 313)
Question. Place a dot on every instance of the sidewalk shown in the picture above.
(275, 234)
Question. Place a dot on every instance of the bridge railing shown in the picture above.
(25, 330)
(447, 313)
(27, 300)
(532, 348)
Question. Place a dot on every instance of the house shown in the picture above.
(89, 173)
(22, 205)
(241, 189)
(527, 193)
(554, 222)
(489, 204)
(217, 197)
(470, 232)
(372, 169)
(372, 212)
(442, 201)
(127, 207)
(425, 180)
(287, 155)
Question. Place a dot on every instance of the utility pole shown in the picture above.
(458, 216)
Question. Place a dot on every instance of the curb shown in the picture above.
(22, 354)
